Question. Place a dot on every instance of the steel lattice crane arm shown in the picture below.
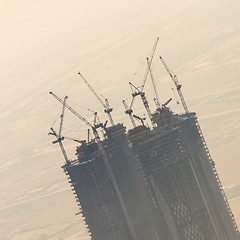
(138, 91)
(72, 110)
(84, 79)
(150, 63)
(64, 137)
(94, 128)
(168, 70)
(107, 108)
(59, 137)
(62, 115)
(156, 99)
(178, 86)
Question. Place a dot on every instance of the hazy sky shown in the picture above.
(43, 46)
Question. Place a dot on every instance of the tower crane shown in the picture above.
(106, 162)
(107, 108)
(176, 83)
(58, 136)
(76, 114)
(146, 73)
(129, 112)
(135, 92)
(139, 90)
(96, 120)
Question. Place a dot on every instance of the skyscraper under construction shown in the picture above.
(167, 180)
(157, 183)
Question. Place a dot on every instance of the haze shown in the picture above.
(43, 46)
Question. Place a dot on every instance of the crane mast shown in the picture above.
(107, 108)
(62, 115)
(145, 103)
(139, 91)
(129, 112)
(144, 100)
(156, 99)
(58, 136)
(150, 63)
(176, 83)
(106, 162)
(146, 73)
(59, 140)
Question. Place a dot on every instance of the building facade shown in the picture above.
(166, 179)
